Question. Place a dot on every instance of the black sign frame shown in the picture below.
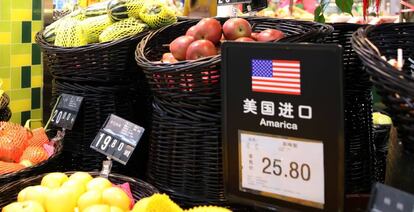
(389, 199)
(66, 109)
(333, 150)
(111, 148)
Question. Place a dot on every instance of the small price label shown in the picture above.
(66, 110)
(385, 198)
(228, 2)
(283, 168)
(117, 139)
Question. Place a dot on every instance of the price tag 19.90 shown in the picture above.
(228, 2)
(66, 110)
(117, 139)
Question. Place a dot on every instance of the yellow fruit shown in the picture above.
(208, 209)
(98, 183)
(60, 200)
(33, 193)
(27, 206)
(77, 187)
(54, 180)
(22, 194)
(141, 205)
(156, 203)
(89, 198)
(116, 209)
(98, 208)
(83, 177)
(115, 196)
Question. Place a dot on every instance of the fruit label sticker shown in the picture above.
(66, 110)
(117, 139)
(265, 160)
(385, 198)
(283, 125)
(227, 2)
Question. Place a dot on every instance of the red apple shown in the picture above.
(208, 29)
(168, 58)
(270, 35)
(236, 28)
(245, 39)
(200, 48)
(179, 46)
(191, 31)
(254, 35)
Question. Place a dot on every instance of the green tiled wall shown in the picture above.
(20, 57)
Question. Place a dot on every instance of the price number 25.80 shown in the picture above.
(295, 170)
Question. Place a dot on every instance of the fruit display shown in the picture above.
(80, 192)
(204, 38)
(21, 148)
(108, 21)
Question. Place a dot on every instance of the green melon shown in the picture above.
(117, 10)
(69, 33)
(121, 29)
(97, 9)
(157, 15)
(94, 26)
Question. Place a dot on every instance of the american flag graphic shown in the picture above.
(276, 76)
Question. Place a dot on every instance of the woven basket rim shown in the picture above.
(142, 60)
(93, 173)
(372, 58)
(93, 46)
(58, 150)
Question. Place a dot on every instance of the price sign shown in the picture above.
(66, 110)
(117, 139)
(228, 2)
(283, 168)
(283, 125)
(388, 199)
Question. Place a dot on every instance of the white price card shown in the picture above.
(285, 168)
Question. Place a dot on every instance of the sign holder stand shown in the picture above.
(106, 167)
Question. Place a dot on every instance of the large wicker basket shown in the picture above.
(99, 101)
(101, 62)
(359, 165)
(185, 147)
(139, 189)
(396, 89)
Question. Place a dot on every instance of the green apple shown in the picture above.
(34, 193)
(83, 177)
(99, 184)
(27, 206)
(54, 180)
(60, 200)
(93, 197)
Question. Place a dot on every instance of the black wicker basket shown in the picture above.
(396, 87)
(4, 101)
(101, 62)
(45, 166)
(358, 109)
(139, 188)
(5, 114)
(99, 102)
(185, 148)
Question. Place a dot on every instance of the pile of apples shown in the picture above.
(80, 192)
(204, 38)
